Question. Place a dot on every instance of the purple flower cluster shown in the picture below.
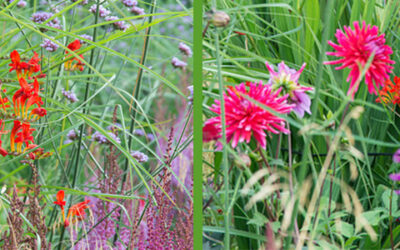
(103, 12)
(139, 132)
(137, 11)
(72, 135)
(178, 63)
(41, 17)
(102, 139)
(119, 25)
(49, 45)
(69, 95)
(129, 3)
(87, 37)
(102, 235)
(185, 49)
(84, 2)
(139, 156)
(20, 3)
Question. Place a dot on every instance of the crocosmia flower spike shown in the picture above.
(354, 48)
(245, 117)
(390, 93)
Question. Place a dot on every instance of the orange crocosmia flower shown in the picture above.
(75, 45)
(78, 65)
(390, 93)
(16, 63)
(3, 152)
(33, 64)
(76, 212)
(60, 199)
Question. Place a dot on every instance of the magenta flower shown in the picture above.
(395, 177)
(355, 47)
(396, 156)
(244, 118)
(287, 80)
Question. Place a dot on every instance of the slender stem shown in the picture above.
(296, 227)
(391, 219)
(85, 111)
(136, 94)
(224, 152)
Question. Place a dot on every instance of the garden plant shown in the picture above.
(301, 124)
(96, 124)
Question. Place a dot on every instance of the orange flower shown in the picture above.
(60, 199)
(75, 213)
(78, 65)
(390, 92)
(16, 63)
(3, 152)
(78, 211)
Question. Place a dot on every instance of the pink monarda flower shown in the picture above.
(355, 47)
(287, 80)
(245, 118)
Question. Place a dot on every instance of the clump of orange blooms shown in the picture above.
(390, 93)
(75, 213)
(24, 108)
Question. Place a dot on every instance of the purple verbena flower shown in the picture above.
(87, 37)
(72, 135)
(139, 132)
(119, 25)
(69, 95)
(396, 156)
(178, 63)
(286, 79)
(49, 45)
(139, 156)
(84, 2)
(103, 12)
(138, 11)
(185, 49)
(21, 4)
(41, 17)
(150, 137)
(129, 3)
(102, 139)
(99, 138)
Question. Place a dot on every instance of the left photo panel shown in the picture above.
(96, 130)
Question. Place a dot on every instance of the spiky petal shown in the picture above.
(355, 48)
(244, 115)
(287, 79)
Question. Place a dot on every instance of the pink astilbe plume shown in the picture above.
(355, 48)
(245, 118)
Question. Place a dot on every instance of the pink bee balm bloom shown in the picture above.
(287, 79)
(244, 118)
(355, 47)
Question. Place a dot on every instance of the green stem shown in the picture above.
(227, 218)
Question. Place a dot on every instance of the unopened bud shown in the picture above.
(220, 19)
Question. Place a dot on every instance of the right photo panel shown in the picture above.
(301, 123)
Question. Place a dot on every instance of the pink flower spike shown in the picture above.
(355, 48)
(246, 119)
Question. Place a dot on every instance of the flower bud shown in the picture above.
(220, 19)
